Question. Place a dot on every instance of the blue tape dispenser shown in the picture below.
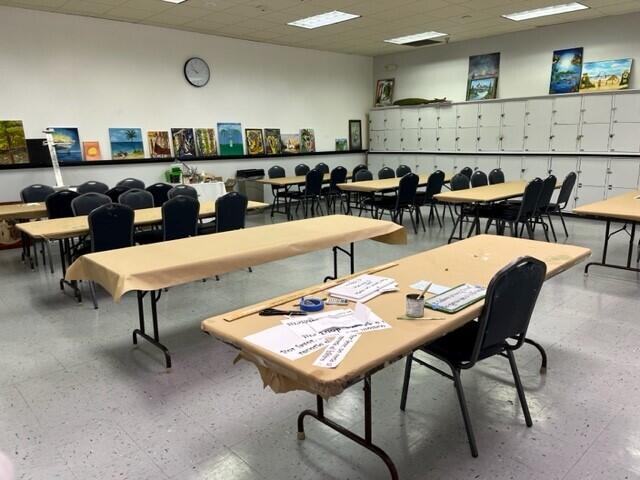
(311, 304)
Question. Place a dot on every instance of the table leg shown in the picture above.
(154, 296)
(366, 441)
(607, 236)
(65, 256)
(349, 253)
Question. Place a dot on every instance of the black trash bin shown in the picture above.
(246, 183)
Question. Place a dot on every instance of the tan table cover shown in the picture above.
(474, 260)
(488, 193)
(76, 226)
(17, 211)
(622, 207)
(290, 181)
(370, 186)
(166, 264)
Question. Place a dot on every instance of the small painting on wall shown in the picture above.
(206, 143)
(184, 145)
(606, 75)
(384, 92)
(67, 144)
(126, 143)
(355, 135)
(307, 140)
(272, 142)
(230, 139)
(159, 144)
(483, 67)
(482, 88)
(254, 140)
(91, 151)
(13, 145)
(342, 144)
(291, 142)
(566, 69)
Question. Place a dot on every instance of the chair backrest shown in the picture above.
(434, 184)
(530, 198)
(338, 175)
(186, 190)
(357, 168)
(301, 170)
(479, 179)
(136, 198)
(363, 175)
(131, 183)
(548, 187)
(402, 170)
(313, 182)
(59, 204)
(407, 189)
(87, 202)
(160, 192)
(231, 210)
(276, 172)
(115, 192)
(180, 217)
(386, 172)
(459, 182)
(566, 189)
(323, 167)
(92, 186)
(467, 172)
(511, 297)
(111, 227)
(35, 193)
(496, 176)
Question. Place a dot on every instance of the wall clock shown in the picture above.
(197, 72)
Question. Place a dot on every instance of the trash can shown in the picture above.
(246, 183)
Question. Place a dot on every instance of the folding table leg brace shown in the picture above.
(154, 296)
(365, 441)
(608, 234)
(349, 253)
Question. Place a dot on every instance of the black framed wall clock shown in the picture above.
(197, 72)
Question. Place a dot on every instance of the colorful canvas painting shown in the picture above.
(126, 143)
(483, 67)
(184, 145)
(355, 135)
(91, 151)
(67, 144)
(307, 140)
(566, 69)
(342, 144)
(230, 139)
(290, 142)
(159, 144)
(254, 141)
(206, 143)
(13, 145)
(384, 92)
(606, 75)
(272, 141)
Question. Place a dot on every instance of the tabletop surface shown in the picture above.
(623, 207)
(474, 260)
(287, 181)
(384, 184)
(487, 193)
(23, 210)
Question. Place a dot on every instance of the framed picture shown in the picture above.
(566, 70)
(254, 140)
(206, 144)
(126, 143)
(13, 144)
(355, 135)
(606, 75)
(159, 144)
(307, 140)
(272, 141)
(384, 92)
(482, 88)
(184, 145)
(342, 144)
(486, 68)
(291, 142)
(230, 139)
(67, 141)
(91, 151)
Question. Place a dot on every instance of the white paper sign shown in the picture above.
(336, 351)
(434, 288)
(284, 341)
(363, 288)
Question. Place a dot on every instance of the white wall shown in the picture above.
(60, 70)
(525, 60)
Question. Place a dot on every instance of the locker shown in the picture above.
(428, 117)
(486, 163)
(375, 163)
(392, 140)
(538, 112)
(626, 108)
(623, 173)
(535, 167)
(409, 139)
(376, 120)
(561, 167)
(428, 139)
(392, 119)
(566, 110)
(597, 109)
(446, 163)
(376, 140)
(490, 114)
(513, 113)
(446, 139)
(447, 117)
(536, 138)
(467, 138)
(409, 118)
(425, 164)
(625, 137)
(614, 192)
(594, 137)
(511, 166)
(467, 115)
(488, 139)
(463, 161)
(391, 161)
(512, 138)
(593, 171)
(564, 137)
(589, 194)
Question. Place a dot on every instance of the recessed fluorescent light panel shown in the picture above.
(174, 1)
(416, 37)
(323, 19)
(546, 11)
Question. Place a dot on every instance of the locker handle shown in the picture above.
(457, 138)
(579, 137)
(526, 136)
(579, 185)
(611, 135)
(609, 187)
(419, 139)
(551, 137)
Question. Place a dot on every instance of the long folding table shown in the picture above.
(21, 211)
(474, 260)
(621, 208)
(152, 268)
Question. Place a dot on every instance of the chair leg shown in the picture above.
(465, 412)
(413, 223)
(92, 290)
(564, 225)
(405, 384)
(516, 378)
(553, 230)
(420, 218)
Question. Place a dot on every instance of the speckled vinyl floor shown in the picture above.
(77, 401)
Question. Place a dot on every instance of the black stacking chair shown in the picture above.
(386, 172)
(403, 200)
(402, 170)
(500, 329)
(332, 193)
(35, 193)
(92, 186)
(231, 212)
(115, 192)
(364, 200)
(522, 214)
(467, 172)
(563, 199)
(59, 206)
(479, 179)
(542, 208)
(136, 199)
(160, 193)
(301, 169)
(131, 183)
(323, 167)
(87, 202)
(180, 217)
(187, 190)
(311, 196)
(496, 176)
(280, 194)
(357, 168)
(434, 186)
(463, 213)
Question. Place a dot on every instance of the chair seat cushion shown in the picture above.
(145, 237)
(457, 346)
(207, 228)
(506, 212)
